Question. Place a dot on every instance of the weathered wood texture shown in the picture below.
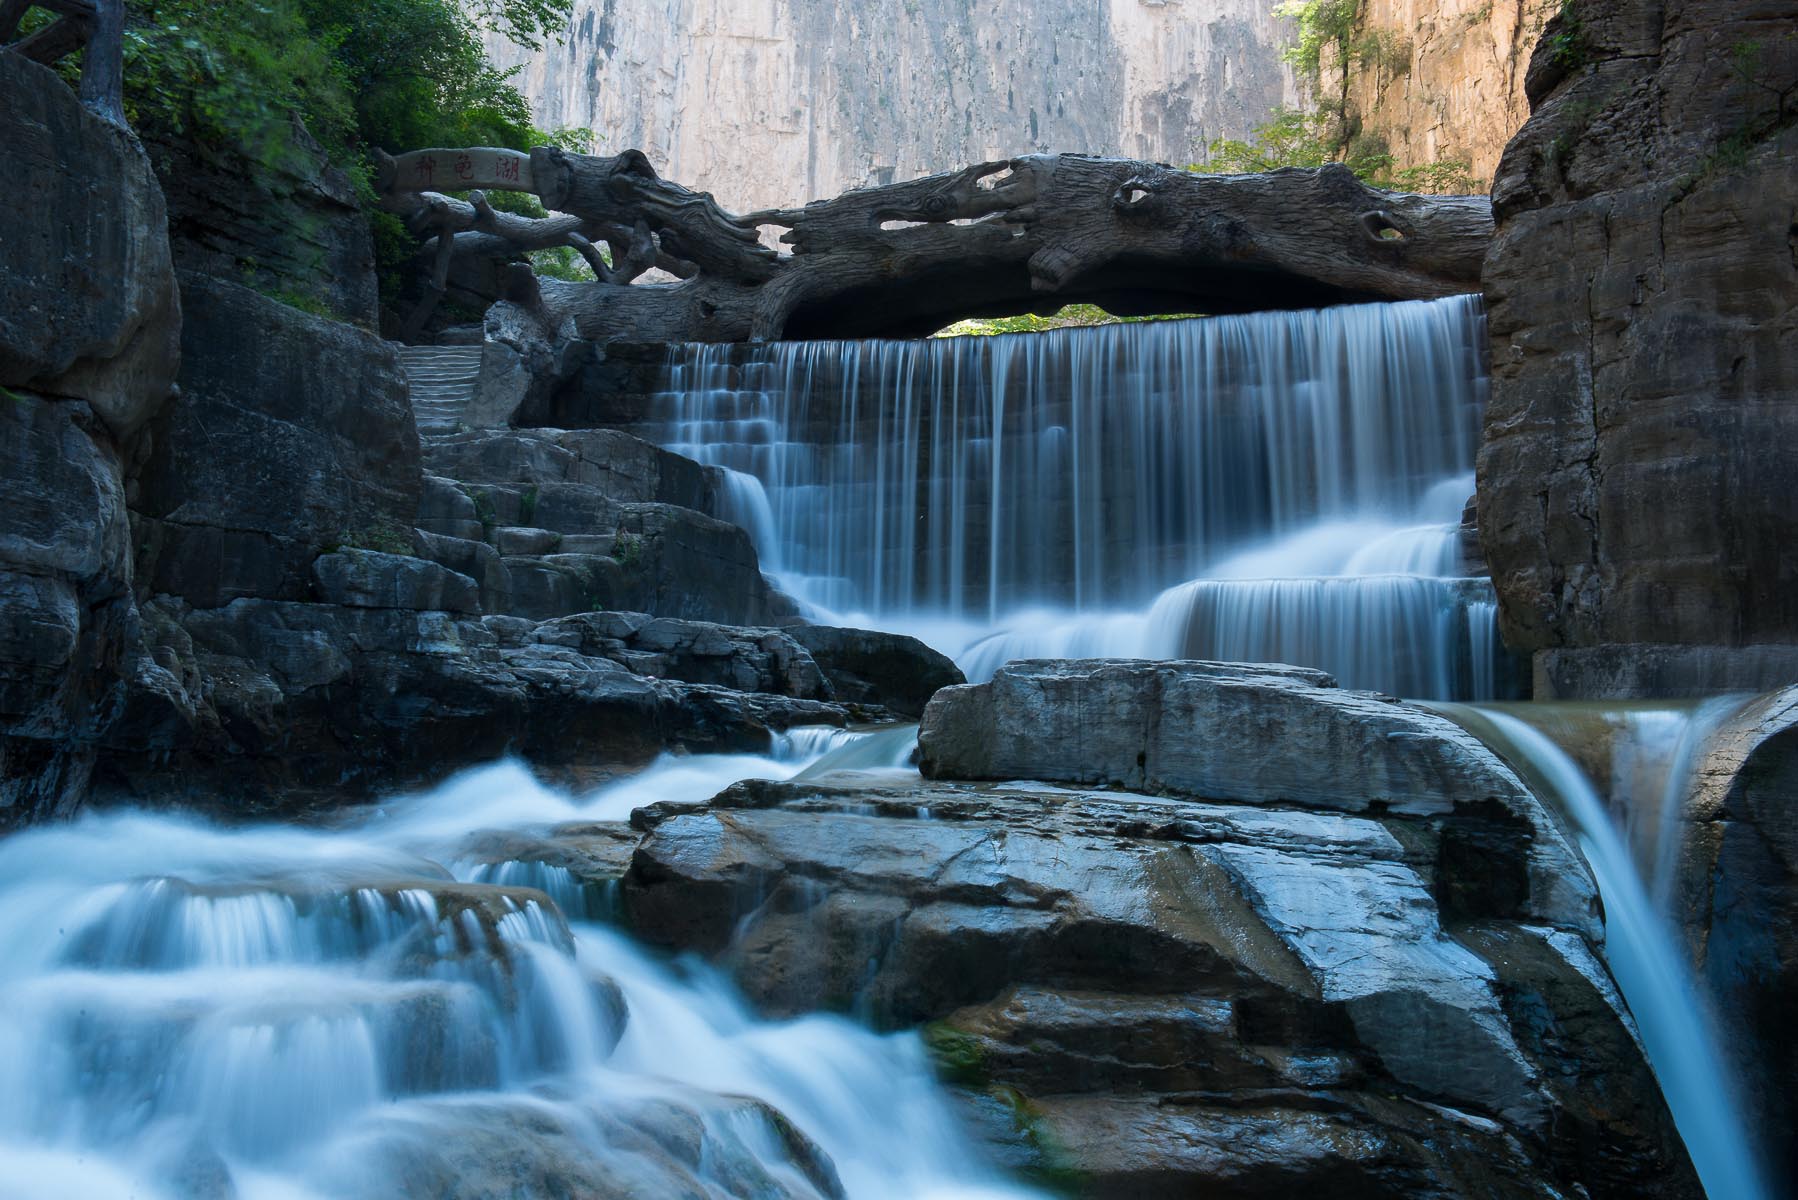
(98, 25)
(1024, 234)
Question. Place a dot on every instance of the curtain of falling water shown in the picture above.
(1041, 486)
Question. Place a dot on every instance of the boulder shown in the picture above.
(1635, 487)
(1251, 734)
(369, 579)
(475, 559)
(1739, 903)
(292, 435)
(88, 303)
(748, 660)
(682, 563)
(626, 468)
(870, 667)
(1165, 997)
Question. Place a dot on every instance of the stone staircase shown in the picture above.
(443, 384)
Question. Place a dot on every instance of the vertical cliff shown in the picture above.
(1442, 80)
(773, 102)
(1638, 492)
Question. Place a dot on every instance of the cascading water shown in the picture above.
(1648, 752)
(1280, 486)
(282, 1014)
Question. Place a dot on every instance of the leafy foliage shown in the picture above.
(231, 76)
(1321, 23)
(1299, 138)
(1068, 317)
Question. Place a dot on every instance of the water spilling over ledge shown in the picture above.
(274, 1013)
(1277, 487)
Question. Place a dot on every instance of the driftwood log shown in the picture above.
(999, 238)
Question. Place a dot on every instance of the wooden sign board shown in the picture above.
(460, 171)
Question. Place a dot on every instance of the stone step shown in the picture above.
(443, 381)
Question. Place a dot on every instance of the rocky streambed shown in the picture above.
(1341, 948)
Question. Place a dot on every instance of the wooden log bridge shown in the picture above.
(994, 239)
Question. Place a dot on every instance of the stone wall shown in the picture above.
(779, 102)
(1637, 486)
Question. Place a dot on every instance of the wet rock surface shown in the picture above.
(1739, 902)
(1265, 735)
(1154, 995)
(593, 520)
(280, 706)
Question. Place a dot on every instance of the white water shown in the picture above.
(286, 1014)
(1283, 486)
(1643, 952)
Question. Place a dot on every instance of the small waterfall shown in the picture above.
(1279, 485)
(1652, 762)
(274, 1013)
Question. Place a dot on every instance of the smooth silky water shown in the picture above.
(277, 1013)
(1622, 775)
(1283, 487)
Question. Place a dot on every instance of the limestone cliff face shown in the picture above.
(778, 102)
(1454, 90)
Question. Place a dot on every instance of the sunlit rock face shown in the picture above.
(777, 102)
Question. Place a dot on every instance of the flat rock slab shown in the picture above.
(1258, 734)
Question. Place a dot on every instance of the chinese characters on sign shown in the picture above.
(462, 170)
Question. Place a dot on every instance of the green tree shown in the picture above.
(1331, 131)
(229, 76)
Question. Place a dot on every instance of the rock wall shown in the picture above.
(1458, 92)
(778, 102)
(1636, 486)
(292, 434)
(289, 225)
(89, 343)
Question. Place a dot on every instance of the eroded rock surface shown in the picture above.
(1255, 734)
(1160, 996)
(1635, 485)
(287, 706)
(293, 435)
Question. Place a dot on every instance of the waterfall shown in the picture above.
(1278, 485)
(382, 1009)
(1651, 756)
